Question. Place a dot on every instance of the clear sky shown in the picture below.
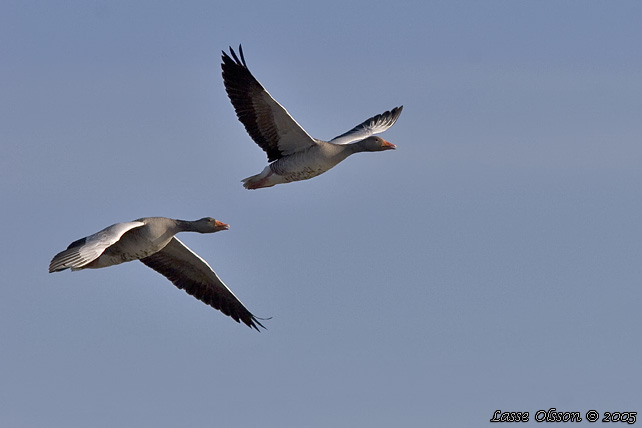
(493, 261)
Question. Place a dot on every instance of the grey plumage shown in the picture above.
(293, 154)
(151, 240)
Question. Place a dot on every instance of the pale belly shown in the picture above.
(302, 174)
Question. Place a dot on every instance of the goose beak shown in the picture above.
(221, 226)
(387, 145)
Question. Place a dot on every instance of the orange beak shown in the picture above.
(387, 145)
(221, 226)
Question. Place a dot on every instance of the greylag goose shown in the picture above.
(151, 240)
(293, 154)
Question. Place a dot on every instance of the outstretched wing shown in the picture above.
(189, 272)
(267, 122)
(374, 125)
(85, 250)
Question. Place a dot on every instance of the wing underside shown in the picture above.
(189, 272)
(265, 120)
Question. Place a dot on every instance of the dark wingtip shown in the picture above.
(225, 56)
(395, 113)
(235, 57)
(241, 54)
(255, 320)
(58, 269)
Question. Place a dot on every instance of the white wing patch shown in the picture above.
(374, 125)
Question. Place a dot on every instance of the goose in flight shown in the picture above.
(293, 154)
(151, 240)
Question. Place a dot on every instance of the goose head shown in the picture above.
(375, 144)
(209, 225)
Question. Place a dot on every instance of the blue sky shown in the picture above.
(491, 262)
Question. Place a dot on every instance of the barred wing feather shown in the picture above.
(375, 125)
(85, 250)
